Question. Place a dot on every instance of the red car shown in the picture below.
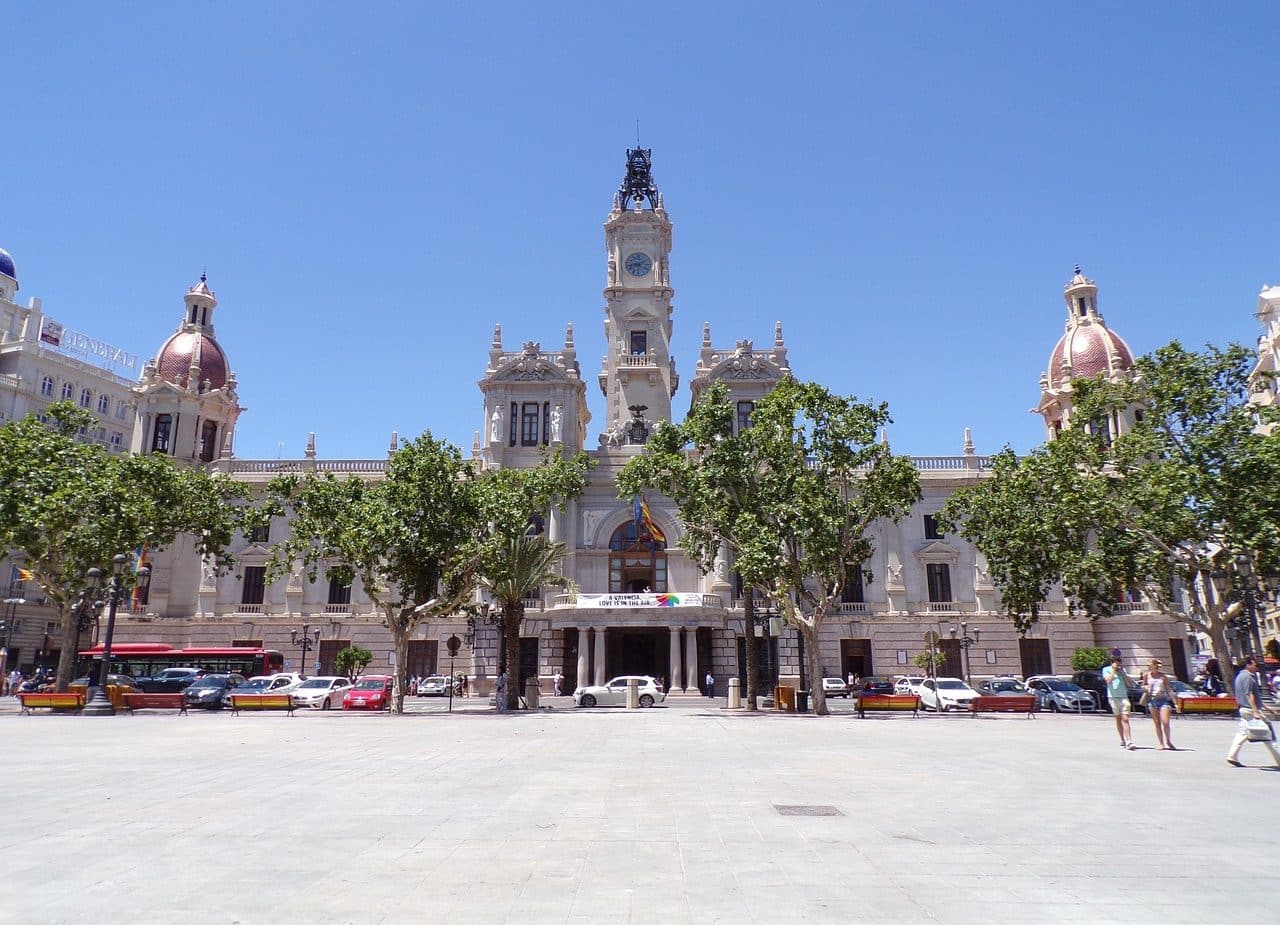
(371, 692)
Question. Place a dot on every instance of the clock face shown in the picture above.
(638, 264)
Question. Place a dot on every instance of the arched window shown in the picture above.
(636, 562)
(68, 390)
(46, 386)
(86, 398)
(104, 404)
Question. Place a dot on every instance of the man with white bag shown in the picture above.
(1253, 724)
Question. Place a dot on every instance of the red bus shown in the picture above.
(147, 659)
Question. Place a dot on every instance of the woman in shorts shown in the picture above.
(1160, 704)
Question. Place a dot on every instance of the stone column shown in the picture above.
(599, 655)
(673, 679)
(691, 659)
(584, 678)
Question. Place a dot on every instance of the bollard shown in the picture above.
(633, 694)
(531, 692)
(735, 694)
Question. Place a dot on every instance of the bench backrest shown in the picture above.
(52, 698)
(261, 701)
(1011, 703)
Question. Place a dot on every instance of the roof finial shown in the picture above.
(1077, 269)
(497, 337)
(706, 333)
(777, 334)
(568, 336)
(204, 274)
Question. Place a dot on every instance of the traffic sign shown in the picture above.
(931, 637)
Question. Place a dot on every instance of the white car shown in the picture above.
(945, 694)
(909, 684)
(264, 684)
(614, 694)
(434, 686)
(322, 693)
(1059, 696)
(835, 687)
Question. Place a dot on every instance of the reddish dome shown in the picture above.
(174, 361)
(1088, 348)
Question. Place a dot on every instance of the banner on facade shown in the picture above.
(643, 600)
(50, 332)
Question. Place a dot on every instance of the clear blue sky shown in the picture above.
(905, 186)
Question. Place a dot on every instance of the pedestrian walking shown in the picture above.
(852, 681)
(500, 689)
(711, 685)
(558, 681)
(1249, 700)
(1160, 704)
(1118, 695)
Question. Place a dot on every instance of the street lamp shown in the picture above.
(306, 640)
(99, 704)
(763, 619)
(12, 604)
(964, 640)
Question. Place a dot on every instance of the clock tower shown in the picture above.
(639, 376)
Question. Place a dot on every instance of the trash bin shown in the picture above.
(784, 698)
(802, 701)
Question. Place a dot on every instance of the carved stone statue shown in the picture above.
(209, 573)
(556, 414)
(495, 425)
(895, 574)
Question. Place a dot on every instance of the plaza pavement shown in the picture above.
(611, 816)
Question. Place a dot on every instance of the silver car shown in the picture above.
(1057, 696)
(322, 693)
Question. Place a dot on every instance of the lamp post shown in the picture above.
(964, 640)
(306, 640)
(454, 644)
(763, 619)
(99, 703)
(11, 603)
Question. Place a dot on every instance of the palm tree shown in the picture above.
(514, 568)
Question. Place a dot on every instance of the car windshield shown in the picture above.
(952, 685)
(315, 682)
(1055, 685)
(170, 674)
(256, 684)
(1005, 686)
(435, 679)
(370, 684)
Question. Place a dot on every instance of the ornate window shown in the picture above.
(68, 390)
(104, 403)
(86, 398)
(639, 343)
(938, 575)
(853, 592)
(744, 414)
(208, 440)
(636, 564)
(254, 585)
(160, 436)
(46, 386)
(931, 527)
(529, 424)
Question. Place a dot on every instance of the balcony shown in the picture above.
(852, 607)
(337, 608)
(944, 607)
(249, 608)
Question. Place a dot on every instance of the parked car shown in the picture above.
(370, 692)
(170, 681)
(1094, 683)
(943, 694)
(909, 684)
(835, 687)
(1002, 687)
(321, 693)
(876, 686)
(209, 692)
(263, 684)
(615, 692)
(434, 686)
(1056, 695)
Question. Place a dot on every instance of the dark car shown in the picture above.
(1093, 682)
(169, 681)
(208, 692)
(876, 686)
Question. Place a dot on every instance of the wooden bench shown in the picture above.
(1003, 704)
(53, 701)
(1206, 704)
(887, 703)
(155, 702)
(261, 702)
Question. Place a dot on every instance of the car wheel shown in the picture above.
(646, 700)
(328, 704)
(587, 701)
(1053, 705)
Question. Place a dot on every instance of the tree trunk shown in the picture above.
(816, 695)
(512, 617)
(400, 642)
(749, 621)
(67, 657)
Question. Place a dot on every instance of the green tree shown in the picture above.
(352, 661)
(409, 536)
(514, 559)
(67, 505)
(1090, 658)
(792, 496)
(929, 661)
(1184, 508)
